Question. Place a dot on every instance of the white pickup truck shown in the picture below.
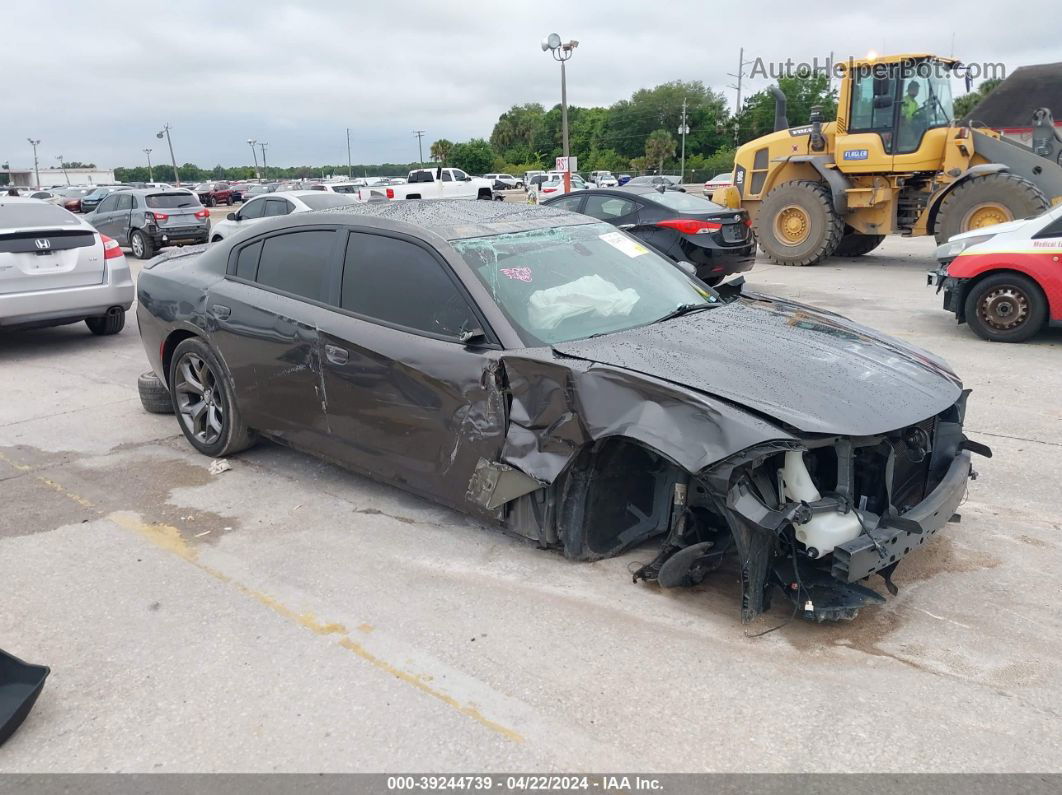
(433, 183)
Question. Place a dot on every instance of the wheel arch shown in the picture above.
(937, 199)
(169, 345)
(1054, 309)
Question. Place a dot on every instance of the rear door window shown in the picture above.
(297, 263)
(125, 201)
(276, 207)
(402, 284)
(609, 208)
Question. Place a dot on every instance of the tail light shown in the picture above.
(748, 222)
(390, 193)
(111, 249)
(200, 213)
(689, 226)
(549, 190)
(153, 217)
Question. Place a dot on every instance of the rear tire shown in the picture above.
(797, 224)
(142, 245)
(1005, 307)
(854, 244)
(108, 324)
(154, 396)
(986, 200)
(204, 401)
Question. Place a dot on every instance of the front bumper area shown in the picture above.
(897, 537)
(954, 290)
(69, 304)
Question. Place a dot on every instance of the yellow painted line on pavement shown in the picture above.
(169, 538)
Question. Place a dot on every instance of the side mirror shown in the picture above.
(467, 178)
(472, 336)
(232, 217)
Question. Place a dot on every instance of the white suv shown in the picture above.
(508, 180)
(603, 179)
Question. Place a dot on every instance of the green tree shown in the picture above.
(78, 164)
(801, 92)
(441, 151)
(965, 104)
(475, 156)
(517, 127)
(659, 146)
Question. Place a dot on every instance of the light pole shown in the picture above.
(165, 133)
(254, 153)
(265, 168)
(35, 142)
(350, 168)
(420, 146)
(151, 176)
(561, 52)
(683, 130)
(62, 165)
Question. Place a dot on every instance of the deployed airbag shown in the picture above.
(550, 307)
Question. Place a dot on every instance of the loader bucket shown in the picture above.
(20, 684)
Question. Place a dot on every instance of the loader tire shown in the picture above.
(854, 244)
(985, 201)
(797, 224)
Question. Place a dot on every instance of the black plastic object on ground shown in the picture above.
(20, 684)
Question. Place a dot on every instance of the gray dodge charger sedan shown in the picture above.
(549, 374)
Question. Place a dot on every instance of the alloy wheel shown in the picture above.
(199, 399)
(137, 244)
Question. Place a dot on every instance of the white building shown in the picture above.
(52, 177)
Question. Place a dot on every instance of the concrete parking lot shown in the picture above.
(289, 616)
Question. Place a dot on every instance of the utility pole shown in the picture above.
(683, 129)
(35, 142)
(165, 133)
(254, 153)
(151, 176)
(350, 168)
(265, 168)
(62, 165)
(420, 146)
(742, 63)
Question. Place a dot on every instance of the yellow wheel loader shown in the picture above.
(893, 161)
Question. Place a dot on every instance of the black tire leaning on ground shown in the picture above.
(804, 209)
(1005, 307)
(992, 196)
(234, 435)
(154, 396)
(106, 325)
(854, 244)
(142, 245)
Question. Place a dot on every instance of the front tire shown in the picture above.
(1005, 307)
(797, 224)
(985, 201)
(108, 324)
(143, 246)
(205, 402)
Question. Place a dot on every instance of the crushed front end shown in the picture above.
(819, 515)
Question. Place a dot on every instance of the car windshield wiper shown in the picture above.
(683, 309)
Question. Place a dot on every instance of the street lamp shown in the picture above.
(265, 166)
(254, 153)
(165, 133)
(151, 176)
(62, 165)
(34, 142)
(561, 52)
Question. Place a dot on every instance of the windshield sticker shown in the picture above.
(520, 274)
(621, 242)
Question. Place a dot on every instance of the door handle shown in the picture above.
(336, 355)
(220, 311)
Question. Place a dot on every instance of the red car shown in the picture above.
(72, 198)
(1004, 281)
(214, 193)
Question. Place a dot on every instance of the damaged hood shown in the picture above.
(812, 370)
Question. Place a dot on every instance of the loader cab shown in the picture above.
(894, 115)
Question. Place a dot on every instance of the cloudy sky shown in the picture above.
(96, 80)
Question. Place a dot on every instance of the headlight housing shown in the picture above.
(954, 248)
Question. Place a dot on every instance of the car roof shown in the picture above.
(459, 219)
